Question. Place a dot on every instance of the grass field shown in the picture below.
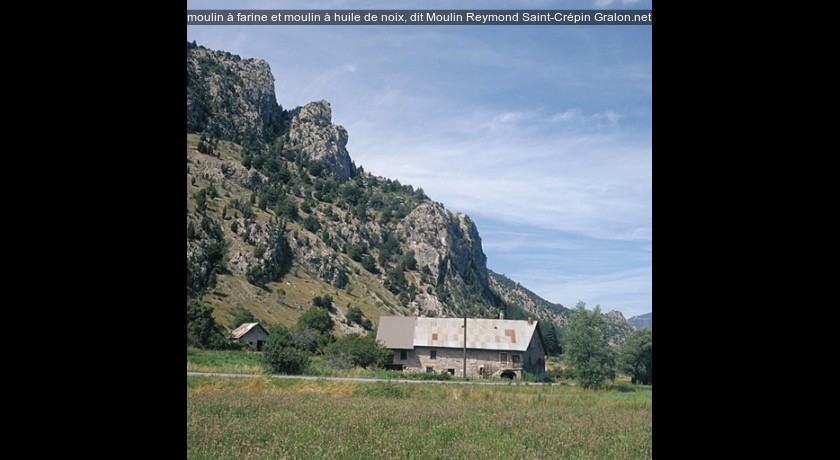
(224, 361)
(268, 418)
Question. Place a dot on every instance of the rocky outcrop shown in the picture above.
(450, 246)
(615, 316)
(372, 241)
(617, 327)
(231, 98)
(313, 134)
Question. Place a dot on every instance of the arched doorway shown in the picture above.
(508, 375)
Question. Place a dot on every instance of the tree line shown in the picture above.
(290, 349)
(594, 361)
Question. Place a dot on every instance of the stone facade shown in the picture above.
(488, 363)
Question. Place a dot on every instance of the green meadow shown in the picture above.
(266, 418)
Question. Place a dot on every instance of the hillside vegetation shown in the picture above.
(278, 213)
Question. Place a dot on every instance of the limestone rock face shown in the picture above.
(449, 245)
(438, 269)
(313, 133)
(617, 326)
(231, 98)
(615, 316)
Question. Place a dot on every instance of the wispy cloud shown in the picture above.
(629, 291)
(541, 134)
(596, 184)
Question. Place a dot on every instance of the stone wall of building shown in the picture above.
(490, 363)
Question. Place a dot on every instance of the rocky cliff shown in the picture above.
(618, 327)
(231, 98)
(313, 134)
(278, 214)
(447, 244)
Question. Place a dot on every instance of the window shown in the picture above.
(503, 358)
(430, 369)
(514, 359)
(451, 371)
(403, 354)
(433, 354)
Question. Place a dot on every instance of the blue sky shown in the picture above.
(541, 134)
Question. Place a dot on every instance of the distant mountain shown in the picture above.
(641, 321)
(532, 304)
(515, 293)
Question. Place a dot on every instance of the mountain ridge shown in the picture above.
(640, 321)
(278, 212)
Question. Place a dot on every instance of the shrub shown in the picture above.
(309, 339)
(357, 350)
(356, 251)
(202, 330)
(369, 264)
(200, 200)
(311, 223)
(324, 302)
(316, 318)
(354, 314)
(285, 360)
(280, 356)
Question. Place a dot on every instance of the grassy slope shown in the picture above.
(280, 304)
(268, 418)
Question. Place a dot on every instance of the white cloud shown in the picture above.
(542, 131)
(597, 185)
(577, 120)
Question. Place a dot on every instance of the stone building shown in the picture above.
(494, 347)
(252, 334)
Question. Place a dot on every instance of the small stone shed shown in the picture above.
(252, 334)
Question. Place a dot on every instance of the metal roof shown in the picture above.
(482, 334)
(396, 332)
(243, 329)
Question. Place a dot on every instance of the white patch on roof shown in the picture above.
(482, 334)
